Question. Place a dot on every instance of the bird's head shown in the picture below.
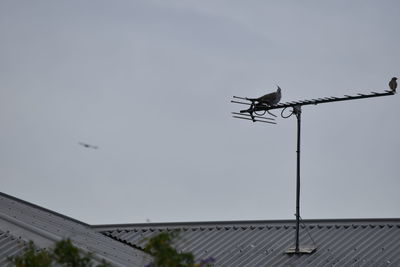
(279, 89)
(394, 78)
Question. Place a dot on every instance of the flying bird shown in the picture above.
(271, 98)
(393, 84)
(88, 145)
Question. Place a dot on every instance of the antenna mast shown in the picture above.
(248, 114)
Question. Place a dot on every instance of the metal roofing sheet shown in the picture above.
(10, 246)
(358, 242)
(27, 221)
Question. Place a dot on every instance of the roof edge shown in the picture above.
(105, 227)
(41, 208)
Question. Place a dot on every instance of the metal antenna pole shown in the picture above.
(297, 112)
(255, 105)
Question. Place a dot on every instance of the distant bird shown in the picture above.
(88, 145)
(393, 84)
(271, 98)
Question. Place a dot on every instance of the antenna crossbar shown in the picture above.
(263, 107)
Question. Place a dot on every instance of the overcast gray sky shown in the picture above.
(150, 83)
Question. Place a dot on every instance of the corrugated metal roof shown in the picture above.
(21, 221)
(9, 247)
(358, 242)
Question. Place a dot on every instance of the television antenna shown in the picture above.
(252, 113)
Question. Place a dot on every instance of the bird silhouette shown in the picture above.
(88, 145)
(393, 84)
(271, 98)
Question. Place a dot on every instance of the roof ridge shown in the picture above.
(42, 208)
(105, 227)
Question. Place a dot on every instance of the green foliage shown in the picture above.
(69, 255)
(165, 255)
(64, 253)
(33, 258)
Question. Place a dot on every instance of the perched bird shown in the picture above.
(87, 145)
(271, 98)
(393, 84)
(259, 103)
